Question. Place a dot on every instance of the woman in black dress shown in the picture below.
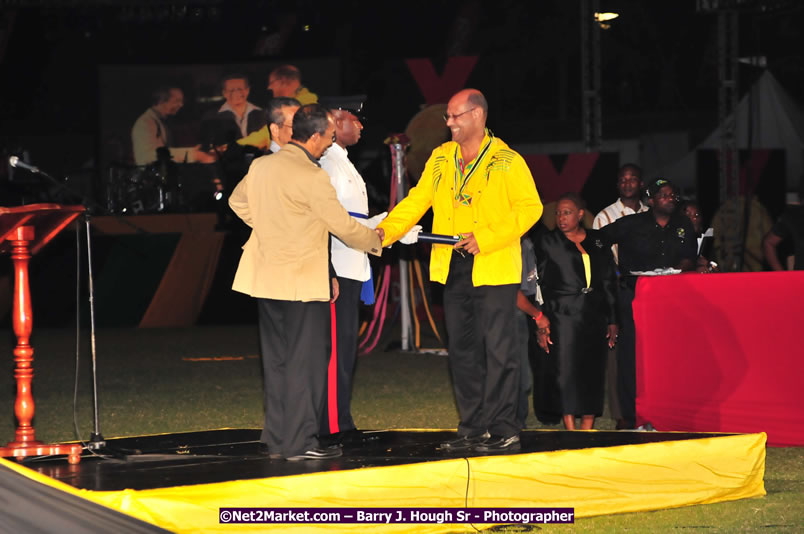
(579, 286)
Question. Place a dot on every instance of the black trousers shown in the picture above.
(626, 356)
(484, 351)
(294, 339)
(337, 413)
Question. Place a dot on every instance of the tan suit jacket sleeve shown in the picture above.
(337, 220)
(238, 201)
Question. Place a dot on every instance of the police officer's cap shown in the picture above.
(353, 104)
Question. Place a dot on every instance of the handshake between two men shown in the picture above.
(408, 239)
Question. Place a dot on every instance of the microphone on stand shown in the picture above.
(17, 163)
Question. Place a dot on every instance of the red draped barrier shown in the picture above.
(722, 353)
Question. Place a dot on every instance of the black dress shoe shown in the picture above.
(317, 453)
(498, 444)
(624, 424)
(356, 437)
(262, 450)
(463, 443)
(349, 437)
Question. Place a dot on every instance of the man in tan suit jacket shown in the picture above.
(289, 203)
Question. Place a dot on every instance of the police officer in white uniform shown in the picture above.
(352, 268)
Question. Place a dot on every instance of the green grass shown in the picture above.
(147, 385)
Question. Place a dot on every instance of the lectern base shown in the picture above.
(22, 450)
(23, 231)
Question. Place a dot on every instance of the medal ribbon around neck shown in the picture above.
(462, 179)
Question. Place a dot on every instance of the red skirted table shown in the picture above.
(722, 353)
(24, 231)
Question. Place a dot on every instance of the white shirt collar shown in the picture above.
(249, 108)
(242, 123)
(336, 150)
(622, 207)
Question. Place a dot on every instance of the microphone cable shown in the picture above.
(466, 491)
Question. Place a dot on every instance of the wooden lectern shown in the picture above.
(24, 231)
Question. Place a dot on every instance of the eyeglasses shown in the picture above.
(447, 116)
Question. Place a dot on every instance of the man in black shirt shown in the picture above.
(789, 227)
(656, 239)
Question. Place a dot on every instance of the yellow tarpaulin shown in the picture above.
(594, 481)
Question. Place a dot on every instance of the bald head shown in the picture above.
(476, 98)
(466, 117)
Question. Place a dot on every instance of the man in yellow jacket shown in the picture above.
(483, 191)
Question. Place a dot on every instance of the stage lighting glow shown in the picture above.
(604, 17)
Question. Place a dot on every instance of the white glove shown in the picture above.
(412, 236)
(377, 219)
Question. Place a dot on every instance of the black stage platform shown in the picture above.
(212, 456)
(181, 482)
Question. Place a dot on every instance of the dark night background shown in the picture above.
(658, 65)
(659, 60)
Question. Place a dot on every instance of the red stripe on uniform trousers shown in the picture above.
(332, 375)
